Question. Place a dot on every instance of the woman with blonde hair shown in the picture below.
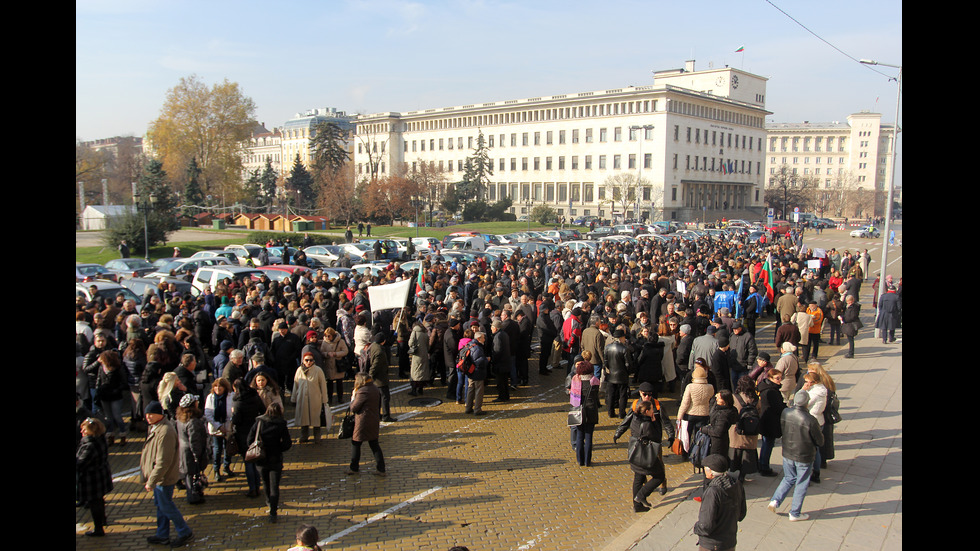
(827, 450)
(696, 402)
(170, 391)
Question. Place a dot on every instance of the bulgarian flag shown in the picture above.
(740, 49)
(420, 282)
(766, 280)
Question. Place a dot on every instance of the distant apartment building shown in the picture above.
(858, 149)
(281, 145)
(264, 146)
(695, 140)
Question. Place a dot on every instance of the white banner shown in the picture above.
(392, 295)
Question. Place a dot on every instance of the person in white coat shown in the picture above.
(818, 402)
(217, 414)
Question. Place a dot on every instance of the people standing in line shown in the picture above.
(93, 478)
(378, 370)
(477, 380)
(745, 455)
(801, 437)
(159, 472)
(583, 388)
(192, 441)
(722, 506)
(889, 314)
(111, 390)
(310, 398)
(771, 406)
(696, 401)
(218, 414)
(334, 349)
(817, 394)
(271, 428)
(647, 420)
(827, 450)
(247, 406)
(366, 407)
(789, 365)
(850, 322)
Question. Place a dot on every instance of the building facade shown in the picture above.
(856, 154)
(281, 145)
(693, 143)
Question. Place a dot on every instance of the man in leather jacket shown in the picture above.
(802, 436)
(722, 506)
(618, 365)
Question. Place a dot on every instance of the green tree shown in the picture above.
(300, 182)
(477, 171)
(327, 149)
(450, 201)
(267, 184)
(251, 189)
(211, 124)
(543, 214)
(155, 185)
(192, 189)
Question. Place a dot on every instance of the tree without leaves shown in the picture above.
(623, 191)
(209, 124)
(338, 196)
(430, 183)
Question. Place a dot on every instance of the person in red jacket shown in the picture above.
(571, 337)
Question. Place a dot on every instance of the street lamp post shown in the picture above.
(891, 179)
(527, 207)
(144, 203)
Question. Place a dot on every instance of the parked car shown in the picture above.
(358, 252)
(281, 272)
(139, 285)
(129, 267)
(211, 275)
(183, 265)
(327, 254)
(104, 290)
(230, 255)
(600, 231)
(426, 244)
(243, 252)
(276, 252)
(388, 245)
(90, 272)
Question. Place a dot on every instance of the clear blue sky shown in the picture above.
(390, 55)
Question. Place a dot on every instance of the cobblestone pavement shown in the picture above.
(505, 481)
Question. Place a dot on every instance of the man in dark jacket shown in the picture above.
(378, 370)
(450, 353)
(547, 331)
(744, 351)
(285, 352)
(474, 393)
(722, 506)
(523, 351)
(501, 359)
(802, 436)
(617, 364)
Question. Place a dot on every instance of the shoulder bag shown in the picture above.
(643, 453)
(346, 426)
(256, 450)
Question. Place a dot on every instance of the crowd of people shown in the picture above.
(677, 317)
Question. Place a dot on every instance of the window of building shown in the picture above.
(602, 162)
(617, 162)
(617, 134)
(588, 135)
(561, 137)
(537, 163)
(575, 136)
(632, 161)
(547, 163)
(537, 138)
(548, 138)
(603, 135)
(523, 163)
(561, 162)
(574, 162)
(524, 139)
(588, 162)
(513, 163)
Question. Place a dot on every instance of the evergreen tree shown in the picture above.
(252, 189)
(476, 176)
(301, 181)
(267, 184)
(153, 183)
(192, 190)
(327, 149)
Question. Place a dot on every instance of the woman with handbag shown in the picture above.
(771, 406)
(192, 441)
(93, 478)
(584, 398)
(696, 401)
(365, 405)
(831, 412)
(310, 396)
(271, 429)
(335, 363)
(851, 323)
(217, 413)
(646, 422)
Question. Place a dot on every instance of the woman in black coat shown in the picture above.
(647, 421)
(722, 416)
(247, 406)
(771, 407)
(93, 478)
(850, 323)
(649, 361)
(152, 373)
(275, 440)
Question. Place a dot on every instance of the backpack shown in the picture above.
(465, 362)
(748, 419)
(700, 449)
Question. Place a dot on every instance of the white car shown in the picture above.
(182, 265)
(866, 231)
(579, 245)
(506, 250)
(253, 250)
(358, 252)
(327, 254)
(426, 244)
(230, 255)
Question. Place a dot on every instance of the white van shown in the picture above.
(471, 243)
(211, 275)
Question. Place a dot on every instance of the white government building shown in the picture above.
(695, 140)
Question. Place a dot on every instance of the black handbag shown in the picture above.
(346, 426)
(643, 453)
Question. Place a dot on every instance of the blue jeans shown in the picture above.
(163, 498)
(218, 447)
(765, 452)
(114, 418)
(461, 386)
(597, 371)
(795, 474)
(736, 375)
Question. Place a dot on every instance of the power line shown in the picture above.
(852, 58)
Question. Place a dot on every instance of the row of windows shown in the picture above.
(806, 160)
(533, 115)
(725, 166)
(714, 113)
(783, 143)
(560, 192)
(717, 138)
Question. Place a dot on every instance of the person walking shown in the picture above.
(722, 506)
(93, 478)
(647, 420)
(192, 440)
(160, 471)
(583, 392)
(851, 322)
(366, 406)
(272, 430)
(801, 437)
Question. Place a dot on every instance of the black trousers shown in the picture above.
(385, 401)
(643, 487)
(503, 382)
(270, 482)
(355, 455)
(617, 394)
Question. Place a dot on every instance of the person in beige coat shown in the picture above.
(333, 349)
(789, 365)
(696, 402)
(803, 320)
(160, 471)
(310, 396)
